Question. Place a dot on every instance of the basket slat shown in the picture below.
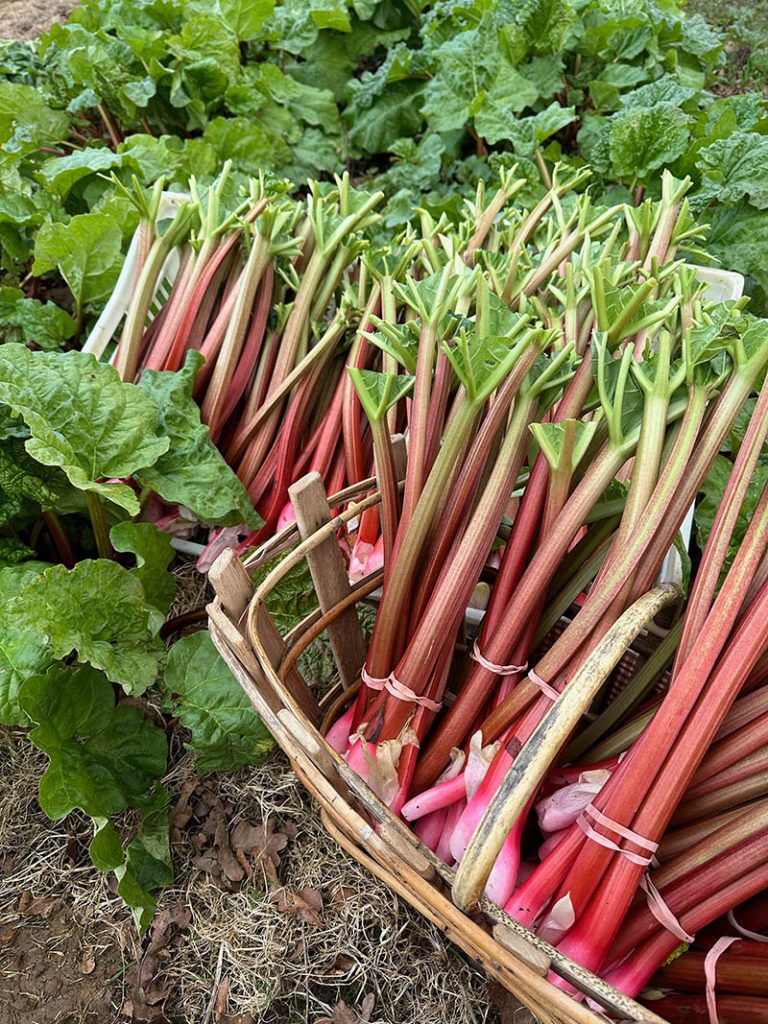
(329, 574)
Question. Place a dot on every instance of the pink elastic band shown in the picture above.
(546, 689)
(402, 692)
(602, 819)
(500, 670)
(399, 690)
(745, 932)
(661, 911)
(710, 973)
(372, 682)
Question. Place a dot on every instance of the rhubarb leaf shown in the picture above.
(643, 139)
(26, 121)
(507, 95)
(154, 554)
(33, 322)
(103, 757)
(527, 133)
(734, 169)
(61, 173)
(192, 473)
(23, 653)
(145, 863)
(244, 18)
(23, 479)
(14, 552)
(83, 418)
(86, 251)
(226, 731)
(378, 392)
(96, 611)
(565, 443)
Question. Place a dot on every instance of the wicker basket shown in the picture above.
(265, 664)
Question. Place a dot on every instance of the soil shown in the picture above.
(47, 977)
(25, 19)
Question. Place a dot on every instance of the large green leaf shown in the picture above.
(192, 473)
(23, 653)
(644, 139)
(23, 479)
(507, 95)
(465, 65)
(82, 418)
(738, 239)
(30, 321)
(734, 169)
(26, 120)
(103, 757)
(153, 552)
(226, 731)
(97, 612)
(86, 251)
(244, 18)
(527, 133)
(61, 173)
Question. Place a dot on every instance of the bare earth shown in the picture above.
(25, 19)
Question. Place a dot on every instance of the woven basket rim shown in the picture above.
(249, 623)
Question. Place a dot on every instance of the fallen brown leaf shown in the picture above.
(88, 964)
(181, 812)
(289, 829)
(37, 906)
(263, 844)
(338, 967)
(222, 995)
(145, 993)
(343, 893)
(306, 905)
(367, 1006)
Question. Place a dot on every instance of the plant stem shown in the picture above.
(99, 525)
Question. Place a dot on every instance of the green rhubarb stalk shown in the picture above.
(640, 687)
(129, 348)
(226, 362)
(99, 525)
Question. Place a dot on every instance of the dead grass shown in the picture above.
(282, 969)
(279, 969)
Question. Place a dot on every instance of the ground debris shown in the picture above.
(306, 905)
(344, 1014)
(146, 995)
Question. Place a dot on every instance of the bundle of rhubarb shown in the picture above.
(275, 294)
(570, 388)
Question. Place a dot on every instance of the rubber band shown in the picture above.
(546, 689)
(602, 819)
(661, 911)
(402, 692)
(372, 682)
(710, 973)
(500, 670)
(398, 690)
(745, 932)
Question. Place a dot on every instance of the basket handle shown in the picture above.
(531, 764)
